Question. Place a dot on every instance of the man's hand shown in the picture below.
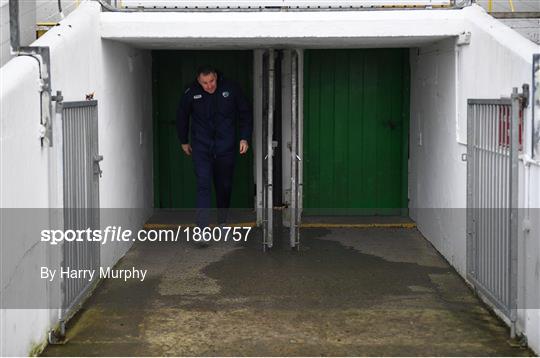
(244, 146)
(187, 149)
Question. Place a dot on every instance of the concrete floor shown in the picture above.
(346, 292)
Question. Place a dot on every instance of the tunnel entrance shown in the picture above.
(331, 132)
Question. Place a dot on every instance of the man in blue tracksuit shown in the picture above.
(214, 104)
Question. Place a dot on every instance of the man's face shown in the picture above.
(208, 82)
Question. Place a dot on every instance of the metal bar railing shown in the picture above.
(494, 140)
(277, 5)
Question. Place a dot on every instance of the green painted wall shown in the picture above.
(173, 71)
(356, 117)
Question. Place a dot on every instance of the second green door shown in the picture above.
(356, 115)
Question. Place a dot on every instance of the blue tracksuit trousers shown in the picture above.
(219, 170)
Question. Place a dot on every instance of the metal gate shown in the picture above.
(81, 196)
(291, 216)
(296, 191)
(494, 136)
(268, 147)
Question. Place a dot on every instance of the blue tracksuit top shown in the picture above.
(213, 117)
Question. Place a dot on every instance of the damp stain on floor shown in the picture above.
(345, 292)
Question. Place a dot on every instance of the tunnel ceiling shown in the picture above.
(254, 43)
(248, 30)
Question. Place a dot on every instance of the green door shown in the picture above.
(356, 115)
(173, 71)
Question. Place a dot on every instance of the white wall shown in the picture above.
(125, 119)
(437, 176)
(496, 60)
(24, 183)
(529, 266)
(120, 77)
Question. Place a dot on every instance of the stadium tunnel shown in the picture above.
(360, 121)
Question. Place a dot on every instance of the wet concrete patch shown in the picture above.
(396, 245)
(325, 275)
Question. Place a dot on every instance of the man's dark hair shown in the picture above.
(206, 70)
